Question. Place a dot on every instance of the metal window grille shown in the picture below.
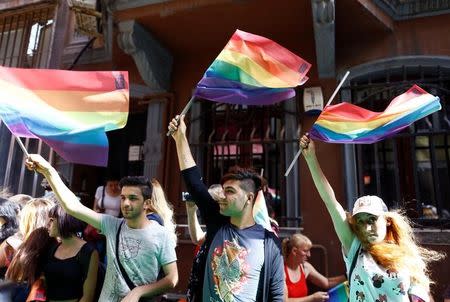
(247, 136)
(412, 169)
(25, 41)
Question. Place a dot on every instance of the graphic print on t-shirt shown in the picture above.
(229, 269)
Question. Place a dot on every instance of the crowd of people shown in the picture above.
(55, 248)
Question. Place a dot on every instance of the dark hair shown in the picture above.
(250, 181)
(8, 211)
(30, 257)
(67, 225)
(138, 181)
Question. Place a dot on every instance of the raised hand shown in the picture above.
(36, 162)
(307, 145)
(177, 127)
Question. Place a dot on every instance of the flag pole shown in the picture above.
(21, 146)
(183, 112)
(328, 103)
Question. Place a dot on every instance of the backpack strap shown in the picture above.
(125, 276)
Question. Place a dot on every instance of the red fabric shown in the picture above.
(298, 289)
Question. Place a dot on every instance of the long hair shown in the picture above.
(29, 259)
(296, 239)
(399, 250)
(163, 208)
(34, 215)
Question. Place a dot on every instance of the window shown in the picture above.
(224, 135)
(412, 169)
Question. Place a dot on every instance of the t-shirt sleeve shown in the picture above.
(167, 254)
(351, 253)
(419, 292)
(109, 224)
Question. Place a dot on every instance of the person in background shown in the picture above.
(107, 197)
(67, 278)
(160, 210)
(297, 269)
(9, 223)
(20, 200)
(383, 261)
(27, 266)
(33, 215)
(137, 248)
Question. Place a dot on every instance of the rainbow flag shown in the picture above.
(347, 123)
(68, 110)
(260, 213)
(252, 70)
(339, 293)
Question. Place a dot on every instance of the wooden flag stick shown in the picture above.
(21, 146)
(328, 103)
(183, 112)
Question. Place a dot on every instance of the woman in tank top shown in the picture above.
(67, 277)
(296, 251)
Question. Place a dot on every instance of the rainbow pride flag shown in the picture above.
(339, 293)
(252, 70)
(347, 123)
(68, 110)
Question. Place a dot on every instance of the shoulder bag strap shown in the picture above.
(102, 201)
(130, 283)
(352, 266)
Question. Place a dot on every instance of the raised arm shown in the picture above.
(195, 231)
(178, 129)
(209, 209)
(335, 209)
(68, 200)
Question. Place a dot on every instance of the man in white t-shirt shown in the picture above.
(142, 249)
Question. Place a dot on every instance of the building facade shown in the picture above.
(167, 45)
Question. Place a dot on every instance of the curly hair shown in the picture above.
(399, 250)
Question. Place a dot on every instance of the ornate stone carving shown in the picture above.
(324, 34)
(153, 61)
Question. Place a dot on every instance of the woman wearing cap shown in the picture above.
(382, 259)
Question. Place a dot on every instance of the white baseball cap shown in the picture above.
(369, 204)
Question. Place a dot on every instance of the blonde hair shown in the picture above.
(34, 215)
(163, 208)
(399, 250)
(296, 239)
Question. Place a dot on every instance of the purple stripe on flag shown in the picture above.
(94, 155)
(231, 92)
